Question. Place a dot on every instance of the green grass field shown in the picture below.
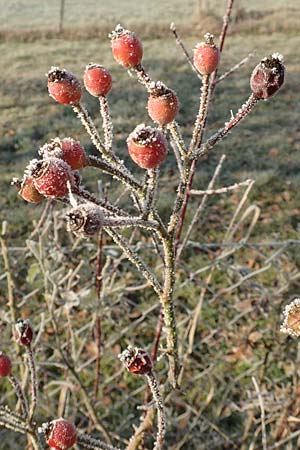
(237, 335)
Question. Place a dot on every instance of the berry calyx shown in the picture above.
(206, 55)
(126, 47)
(51, 177)
(27, 190)
(68, 149)
(23, 332)
(60, 434)
(163, 104)
(85, 220)
(97, 80)
(5, 365)
(136, 360)
(64, 86)
(147, 147)
(268, 76)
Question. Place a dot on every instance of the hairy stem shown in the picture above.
(161, 417)
(107, 123)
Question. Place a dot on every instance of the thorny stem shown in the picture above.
(86, 441)
(13, 421)
(201, 116)
(32, 369)
(129, 180)
(135, 259)
(125, 222)
(151, 185)
(186, 181)
(223, 132)
(107, 123)
(166, 299)
(161, 417)
(176, 135)
(226, 19)
(20, 394)
(86, 195)
(143, 76)
(89, 125)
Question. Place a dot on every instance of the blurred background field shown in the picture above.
(237, 336)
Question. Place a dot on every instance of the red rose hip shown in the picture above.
(206, 56)
(126, 47)
(5, 365)
(60, 434)
(68, 149)
(23, 332)
(51, 177)
(97, 80)
(64, 86)
(29, 192)
(147, 147)
(136, 360)
(267, 77)
(163, 104)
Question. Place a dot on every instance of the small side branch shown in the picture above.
(161, 417)
(135, 259)
(107, 123)
(183, 48)
(223, 132)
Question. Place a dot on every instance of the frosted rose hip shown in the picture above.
(29, 192)
(60, 434)
(206, 56)
(68, 149)
(126, 47)
(268, 76)
(23, 332)
(51, 176)
(5, 365)
(136, 360)
(64, 86)
(97, 80)
(147, 147)
(163, 104)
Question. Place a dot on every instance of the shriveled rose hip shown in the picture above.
(23, 332)
(64, 86)
(126, 47)
(163, 104)
(97, 80)
(206, 55)
(68, 149)
(5, 365)
(51, 177)
(85, 220)
(147, 147)
(136, 360)
(268, 76)
(60, 434)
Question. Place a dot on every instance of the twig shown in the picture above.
(34, 390)
(107, 123)
(183, 48)
(222, 190)
(226, 20)
(87, 441)
(223, 132)
(262, 414)
(20, 394)
(161, 418)
(235, 67)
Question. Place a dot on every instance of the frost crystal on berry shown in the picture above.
(291, 322)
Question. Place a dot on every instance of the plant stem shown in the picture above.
(34, 390)
(20, 394)
(161, 417)
(107, 123)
